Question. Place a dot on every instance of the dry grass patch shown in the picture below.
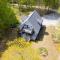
(56, 38)
(58, 47)
(56, 35)
(20, 50)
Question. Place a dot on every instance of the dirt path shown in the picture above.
(49, 44)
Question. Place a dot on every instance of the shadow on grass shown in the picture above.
(10, 36)
(3, 47)
(41, 34)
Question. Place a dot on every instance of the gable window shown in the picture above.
(25, 26)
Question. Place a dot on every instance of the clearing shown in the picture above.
(50, 21)
(47, 43)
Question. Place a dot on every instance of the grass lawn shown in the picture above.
(16, 11)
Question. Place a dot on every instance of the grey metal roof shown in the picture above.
(23, 18)
(33, 20)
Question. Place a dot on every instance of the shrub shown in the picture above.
(7, 17)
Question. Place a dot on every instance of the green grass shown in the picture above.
(22, 12)
(16, 11)
(59, 10)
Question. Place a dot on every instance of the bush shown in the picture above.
(7, 17)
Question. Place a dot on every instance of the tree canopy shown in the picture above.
(46, 3)
(7, 17)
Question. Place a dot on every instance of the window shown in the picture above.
(25, 26)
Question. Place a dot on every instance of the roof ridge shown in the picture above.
(29, 16)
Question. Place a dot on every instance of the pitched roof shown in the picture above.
(34, 19)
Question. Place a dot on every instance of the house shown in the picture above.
(30, 26)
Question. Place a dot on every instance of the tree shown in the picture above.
(7, 17)
(54, 4)
(51, 3)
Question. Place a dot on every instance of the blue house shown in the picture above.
(30, 26)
